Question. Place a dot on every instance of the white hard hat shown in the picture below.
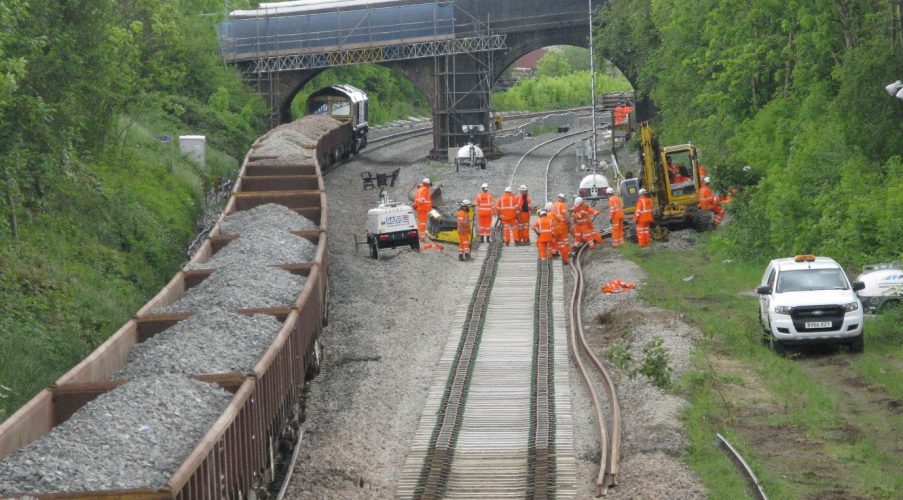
(609, 191)
(522, 187)
(543, 212)
(561, 195)
(508, 189)
(465, 201)
(642, 190)
(707, 179)
(548, 206)
(426, 180)
(485, 186)
(578, 201)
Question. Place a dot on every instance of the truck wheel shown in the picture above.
(857, 345)
(702, 220)
(777, 346)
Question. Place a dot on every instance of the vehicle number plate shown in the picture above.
(818, 324)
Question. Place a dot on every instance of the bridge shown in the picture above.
(452, 51)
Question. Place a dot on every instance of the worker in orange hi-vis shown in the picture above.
(524, 209)
(464, 230)
(545, 234)
(584, 230)
(643, 218)
(616, 213)
(563, 227)
(708, 201)
(423, 203)
(506, 207)
(485, 204)
(628, 109)
(619, 113)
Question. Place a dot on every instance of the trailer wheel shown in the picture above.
(374, 250)
(415, 245)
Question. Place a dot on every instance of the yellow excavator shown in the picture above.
(671, 175)
(443, 220)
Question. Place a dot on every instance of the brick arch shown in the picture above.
(419, 72)
(520, 45)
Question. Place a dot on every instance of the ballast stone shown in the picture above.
(241, 287)
(212, 342)
(268, 216)
(262, 247)
(134, 436)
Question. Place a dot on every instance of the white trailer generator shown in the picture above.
(391, 225)
(883, 286)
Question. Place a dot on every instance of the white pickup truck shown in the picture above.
(808, 300)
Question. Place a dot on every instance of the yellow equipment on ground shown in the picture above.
(671, 176)
(444, 227)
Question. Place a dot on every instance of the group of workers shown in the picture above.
(556, 223)
(554, 227)
(621, 113)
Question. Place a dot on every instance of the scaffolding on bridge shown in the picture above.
(271, 40)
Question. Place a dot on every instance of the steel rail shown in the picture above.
(609, 465)
(549, 166)
(534, 148)
(752, 481)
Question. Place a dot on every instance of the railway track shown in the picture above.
(497, 422)
(608, 431)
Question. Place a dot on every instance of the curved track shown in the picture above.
(609, 433)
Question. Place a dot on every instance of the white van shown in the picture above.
(807, 300)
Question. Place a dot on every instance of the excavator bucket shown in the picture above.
(435, 193)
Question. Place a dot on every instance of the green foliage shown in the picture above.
(552, 65)
(794, 91)
(654, 362)
(559, 92)
(620, 357)
(392, 96)
(103, 210)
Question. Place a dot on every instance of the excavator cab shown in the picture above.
(671, 175)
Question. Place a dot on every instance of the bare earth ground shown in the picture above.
(388, 325)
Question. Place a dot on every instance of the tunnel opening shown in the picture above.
(392, 95)
(552, 78)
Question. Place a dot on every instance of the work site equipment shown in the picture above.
(671, 176)
(883, 286)
(470, 155)
(391, 225)
(443, 224)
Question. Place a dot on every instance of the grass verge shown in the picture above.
(814, 424)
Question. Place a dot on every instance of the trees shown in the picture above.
(791, 88)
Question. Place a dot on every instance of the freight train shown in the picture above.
(235, 457)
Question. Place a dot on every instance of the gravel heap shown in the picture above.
(262, 247)
(241, 287)
(134, 436)
(268, 216)
(294, 142)
(214, 341)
